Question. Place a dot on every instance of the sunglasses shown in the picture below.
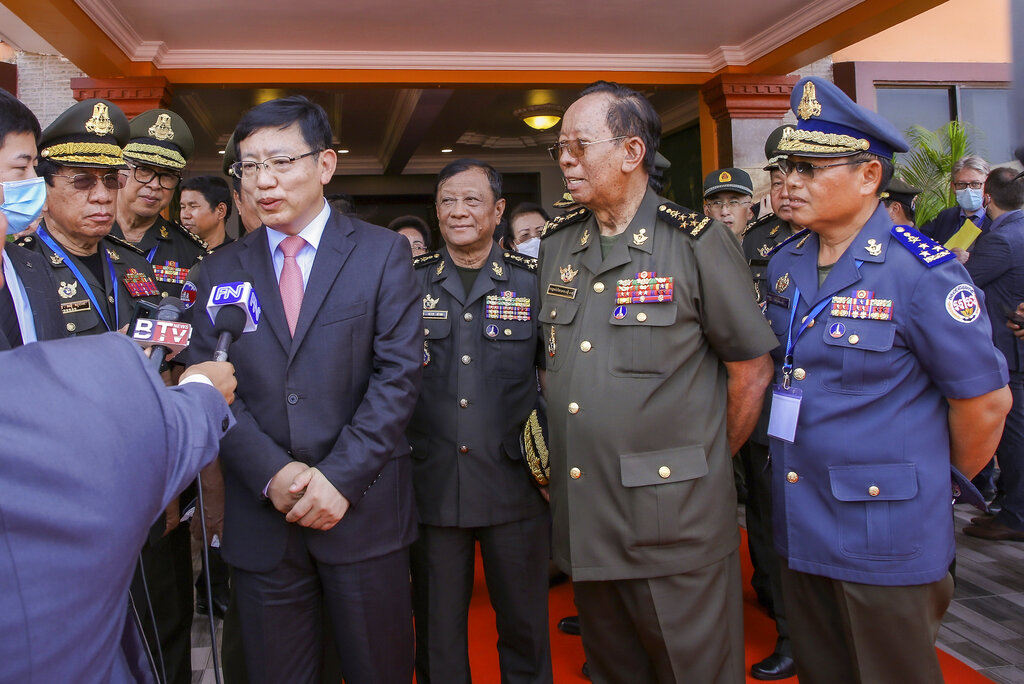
(86, 181)
(807, 169)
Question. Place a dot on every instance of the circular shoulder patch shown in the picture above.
(188, 294)
(962, 304)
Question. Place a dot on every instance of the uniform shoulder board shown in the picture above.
(424, 259)
(928, 251)
(798, 235)
(758, 222)
(190, 235)
(521, 260)
(690, 222)
(567, 219)
(124, 243)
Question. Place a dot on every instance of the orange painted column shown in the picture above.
(133, 95)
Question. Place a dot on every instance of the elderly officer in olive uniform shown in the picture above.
(160, 146)
(99, 277)
(480, 361)
(886, 375)
(657, 362)
(760, 239)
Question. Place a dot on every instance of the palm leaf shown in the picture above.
(929, 164)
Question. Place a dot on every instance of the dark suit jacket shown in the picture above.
(337, 396)
(945, 225)
(997, 267)
(40, 290)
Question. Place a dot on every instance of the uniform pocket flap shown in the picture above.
(558, 312)
(437, 328)
(888, 482)
(658, 315)
(495, 329)
(659, 467)
(855, 333)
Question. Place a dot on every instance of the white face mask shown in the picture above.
(529, 247)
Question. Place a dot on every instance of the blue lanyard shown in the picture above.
(52, 244)
(791, 340)
(152, 253)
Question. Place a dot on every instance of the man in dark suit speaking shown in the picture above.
(319, 504)
(78, 494)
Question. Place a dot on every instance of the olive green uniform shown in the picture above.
(176, 250)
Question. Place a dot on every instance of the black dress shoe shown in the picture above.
(570, 625)
(220, 606)
(773, 667)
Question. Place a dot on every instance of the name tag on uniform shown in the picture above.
(784, 413)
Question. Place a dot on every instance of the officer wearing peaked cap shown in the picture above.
(160, 146)
(99, 277)
(885, 377)
(900, 199)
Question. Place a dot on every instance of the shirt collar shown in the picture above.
(311, 233)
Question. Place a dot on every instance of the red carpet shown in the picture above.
(567, 651)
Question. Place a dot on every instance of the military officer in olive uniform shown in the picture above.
(480, 358)
(657, 362)
(160, 146)
(99, 277)
(886, 376)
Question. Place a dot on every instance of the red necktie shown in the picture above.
(291, 280)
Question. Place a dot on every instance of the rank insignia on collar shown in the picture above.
(585, 238)
(764, 250)
(498, 270)
(640, 237)
(567, 273)
(802, 241)
(68, 290)
(874, 247)
(773, 231)
(163, 232)
(782, 283)
(440, 267)
(430, 302)
(56, 260)
(113, 255)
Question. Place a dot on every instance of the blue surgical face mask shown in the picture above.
(23, 202)
(969, 200)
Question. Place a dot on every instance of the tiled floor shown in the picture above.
(984, 626)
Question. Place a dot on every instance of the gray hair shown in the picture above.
(970, 161)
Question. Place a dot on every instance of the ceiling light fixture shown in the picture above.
(446, 150)
(540, 117)
(342, 151)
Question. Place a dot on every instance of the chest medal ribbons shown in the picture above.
(507, 307)
(862, 304)
(647, 287)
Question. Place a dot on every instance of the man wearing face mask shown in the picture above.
(968, 182)
(28, 296)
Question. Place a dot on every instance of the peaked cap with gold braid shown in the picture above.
(89, 133)
(161, 138)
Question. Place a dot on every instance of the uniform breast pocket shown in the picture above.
(512, 346)
(865, 347)
(640, 339)
(659, 483)
(436, 345)
(876, 514)
(556, 319)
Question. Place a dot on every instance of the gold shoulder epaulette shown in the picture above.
(124, 243)
(521, 260)
(424, 259)
(758, 222)
(190, 235)
(800, 235)
(574, 216)
(690, 222)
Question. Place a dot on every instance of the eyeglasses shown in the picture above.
(145, 175)
(275, 165)
(732, 204)
(807, 169)
(86, 181)
(973, 185)
(577, 147)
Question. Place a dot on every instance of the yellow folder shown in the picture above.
(964, 237)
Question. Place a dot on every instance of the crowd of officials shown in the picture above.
(588, 389)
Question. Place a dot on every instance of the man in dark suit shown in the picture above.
(967, 179)
(997, 266)
(28, 296)
(77, 496)
(319, 504)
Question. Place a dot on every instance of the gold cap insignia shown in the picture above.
(100, 122)
(430, 302)
(724, 177)
(162, 130)
(809, 105)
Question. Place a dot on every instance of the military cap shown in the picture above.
(736, 180)
(229, 155)
(901, 191)
(771, 147)
(830, 124)
(160, 138)
(89, 133)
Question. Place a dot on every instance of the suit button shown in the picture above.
(463, 403)
(641, 317)
(466, 359)
(585, 346)
(463, 449)
(224, 424)
(293, 398)
(664, 472)
(575, 473)
(467, 316)
(598, 287)
(799, 374)
(574, 408)
(873, 490)
(792, 477)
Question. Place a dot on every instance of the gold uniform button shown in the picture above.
(799, 374)
(110, 298)
(426, 331)
(554, 313)
(508, 332)
(163, 294)
(466, 360)
(467, 316)
(463, 403)
(873, 490)
(599, 287)
(574, 408)
(854, 339)
(641, 317)
(664, 472)
(585, 346)
(792, 477)
(575, 473)
(71, 327)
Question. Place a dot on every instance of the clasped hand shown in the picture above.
(307, 497)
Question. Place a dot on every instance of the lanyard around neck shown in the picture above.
(59, 251)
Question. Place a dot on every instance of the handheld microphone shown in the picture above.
(165, 333)
(233, 309)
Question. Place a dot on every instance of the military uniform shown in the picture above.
(759, 240)
(172, 249)
(480, 356)
(641, 471)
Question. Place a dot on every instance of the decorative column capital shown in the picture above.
(748, 96)
(133, 95)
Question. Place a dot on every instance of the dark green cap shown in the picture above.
(229, 155)
(161, 138)
(901, 191)
(89, 133)
(732, 179)
(771, 147)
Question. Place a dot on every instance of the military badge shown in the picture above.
(585, 238)
(56, 260)
(498, 270)
(962, 304)
(874, 247)
(170, 272)
(507, 307)
(114, 255)
(646, 288)
(567, 273)
(773, 231)
(440, 268)
(782, 283)
(640, 237)
(188, 294)
(619, 313)
(68, 290)
(764, 250)
(163, 232)
(809, 105)
(139, 284)
(162, 130)
(837, 330)
(430, 302)
(426, 354)
(551, 343)
(491, 331)
(724, 177)
(100, 123)
(862, 304)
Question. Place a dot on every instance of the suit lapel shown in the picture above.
(331, 255)
(256, 261)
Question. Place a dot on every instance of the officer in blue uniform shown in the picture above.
(886, 375)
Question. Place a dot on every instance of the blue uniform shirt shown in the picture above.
(863, 493)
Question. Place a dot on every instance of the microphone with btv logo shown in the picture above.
(233, 309)
(165, 333)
